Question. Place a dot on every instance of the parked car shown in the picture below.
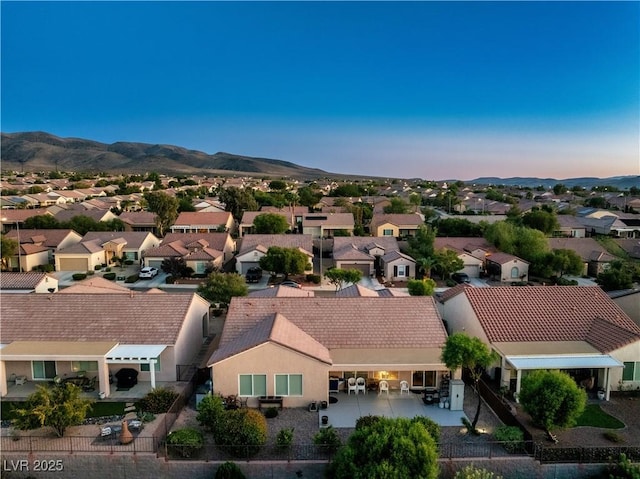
(460, 278)
(254, 275)
(291, 284)
(148, 272)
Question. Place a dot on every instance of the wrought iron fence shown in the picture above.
(71, 444)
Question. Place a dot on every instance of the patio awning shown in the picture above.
(37, 350)
(564, 362)
(134, 353)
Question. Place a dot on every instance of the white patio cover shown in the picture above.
(137, 353)
(564, 362)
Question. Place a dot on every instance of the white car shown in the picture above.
(148, 272)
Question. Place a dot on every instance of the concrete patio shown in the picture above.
(350, 407)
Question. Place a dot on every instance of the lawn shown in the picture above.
(99, 409)
(594, 416)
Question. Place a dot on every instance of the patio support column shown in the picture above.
(3, 379)
(518, 379)
(152, 373)
(103, 377)
(503, 372)
(607, 383)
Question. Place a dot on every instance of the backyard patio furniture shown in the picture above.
(404, 387)
(351, 386)
(20, 380)
(126, 378)
(383, 387)
(361, 385)
(90, 385)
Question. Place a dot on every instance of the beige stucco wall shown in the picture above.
(379, 231)
(190, 338)
(630, 304)
(459, 317)
(271, 359)
(629, 353)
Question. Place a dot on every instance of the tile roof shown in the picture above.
(202, 218)
(364, 243)
(357, 290)
(84, 247)
(133, 239)
(584, 247)
(413, 219)
(215, 240)
(403, 322)
(138, 217)
(250, 242)
(328, 220)
(462, 244)
(97, 285)
(281, 292)
(552, 313)
(503, 258)
(29, 280)
(50, 238)
(137, 318)
(277, 329)
(395, 255)
(248, 217)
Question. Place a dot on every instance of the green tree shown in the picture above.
(176, 267)
(165, 207)
(237, 201)
(472, 355)
(8, 249)
(308, 196)
(458, 227)
(559, 188)
(617, 276)
(472, 472)
(387, 448)
(566, 261)
(42, 222)
(221, 287)
(421, 287)
(544, 221)
(415, 200)
(340, 277)
(424, 266)
(397, 206)
(58, 407)
(552, 399)
(185, 204)
(278, 185)
(82, 224)
(447, 262)
(284, 261)
(270, 224)
(421, 244)
(348, 191)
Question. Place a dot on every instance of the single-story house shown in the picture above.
(397, 225)
(49, 335)
(507, 268)
(301, 348)
(320, 225)
(254, 247)
(363, 253)
(576, 329)
(139, 221)
(199, 222)
(397, 266)
(472, 252)
(78, 210)
(199, 250)
(38, 247)
(570, 227)
(28, 283)
(100, 247)
(594, 255)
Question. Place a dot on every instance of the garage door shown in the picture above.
(250, 264)
(74, 264)
(364, 268)
(473, 271)
(155, 263)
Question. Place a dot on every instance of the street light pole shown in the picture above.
(19, 254)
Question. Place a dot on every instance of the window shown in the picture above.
(43, 369)
(401, 271)
(144, 367)
(89, 366)
(387, 232)
(631, 371)
(288, 384)
(252, 384)
(515, 272)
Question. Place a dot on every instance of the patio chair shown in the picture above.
(404, 387)
(383, 386)
(361, 385)
(90, 385)
(351, 386)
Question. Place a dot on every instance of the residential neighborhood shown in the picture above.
(78, 308)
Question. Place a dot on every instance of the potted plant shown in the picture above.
(601, 394)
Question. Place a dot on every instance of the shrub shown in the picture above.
(450, 283)
(229, 470)
(90, 273)
(107, 269)
(185, 442)
(472, 472)
(313, 278)
(613, 437)
(79, 276)
(132, 279)
(210, 412)
(271, 412)
(109, 276)
(624, 469)
(366, 421)
(243, 431)
(128, 262)
(158, 400)
(284, 438)
(512, 437)
(97, 267)
(169, 280)
(328, 439)
(432, 427)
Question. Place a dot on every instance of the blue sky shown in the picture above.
(434, 90)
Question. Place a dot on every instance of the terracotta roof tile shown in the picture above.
(250, 242)
(29, 280)
(137, 318)
(552, 313)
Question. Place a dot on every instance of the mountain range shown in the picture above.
(40, 151)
